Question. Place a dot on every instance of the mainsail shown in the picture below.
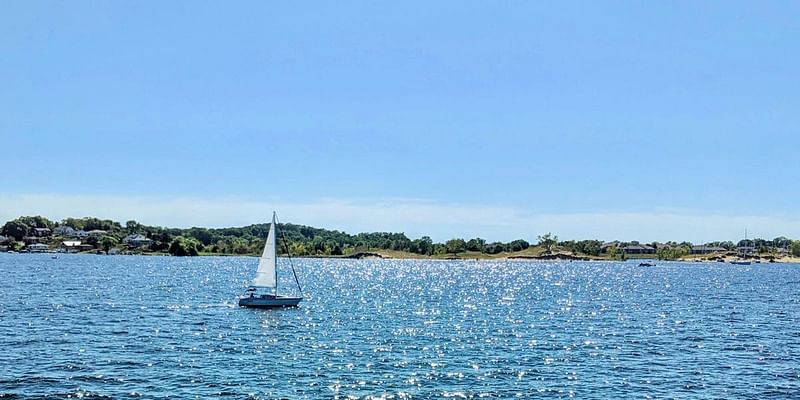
(266, 275)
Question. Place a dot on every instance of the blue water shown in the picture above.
(157, 327)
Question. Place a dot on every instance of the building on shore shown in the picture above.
(136, 240)
(37, 248)
(63, 230)
(628, 248)
(71, 246)
(705, 249)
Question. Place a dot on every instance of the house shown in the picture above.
(628, 248)
(64, 230)
(83, 234)
(3, 239)
(136, 240)
(638, 249)
(37, 248)
(70, 246)
(704, 249)
(41, 232)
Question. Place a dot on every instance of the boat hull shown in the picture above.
(269, 301)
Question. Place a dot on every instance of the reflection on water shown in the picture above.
(153, 327)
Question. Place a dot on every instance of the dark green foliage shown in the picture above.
(672, 252)
(476, 244)
(91, 223)
(495, 248)
(37, 222)
(455, 246)
(590, 247)
(517, 245)
(184, 246)
(795, 248)
(107, 242)
(16, 229)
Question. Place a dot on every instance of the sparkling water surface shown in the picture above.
(158, 327)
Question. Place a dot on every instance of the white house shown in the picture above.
(96, 232)
(71, 246)
(37, 248)
(136, 240)
(64, 230)
(3, 239)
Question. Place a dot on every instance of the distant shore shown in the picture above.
(473, 256)
(93, 235)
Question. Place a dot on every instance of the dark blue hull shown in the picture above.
(269, 301)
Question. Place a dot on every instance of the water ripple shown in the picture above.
(156, 327)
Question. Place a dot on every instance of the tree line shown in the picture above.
(301, 240)
(297, 240)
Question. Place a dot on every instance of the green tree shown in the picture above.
(591, 247)
(107, 242)
(455, 246)
(12, 244)
(37, 222)
(476, 244)
(672, 252)
(16, 229)
(548, 240)
(796, 248)
(517, 245)
(611, 251)
(132, 227)
(495, 248)
(425, 245)
(183, 246)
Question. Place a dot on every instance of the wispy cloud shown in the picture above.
(415, 217)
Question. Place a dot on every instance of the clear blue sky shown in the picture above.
(588, 119)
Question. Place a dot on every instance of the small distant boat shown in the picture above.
(54, 257)
(263, 290)
(646, 264)
(743, 252)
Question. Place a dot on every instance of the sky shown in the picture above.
(622, 120)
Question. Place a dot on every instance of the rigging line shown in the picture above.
(289, 255)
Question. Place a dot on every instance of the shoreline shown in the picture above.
(722, 259)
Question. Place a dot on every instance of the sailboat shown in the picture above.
(742, 260)
(263, 290)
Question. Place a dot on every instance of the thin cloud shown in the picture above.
(415, 217)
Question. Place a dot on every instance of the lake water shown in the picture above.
(157, 327)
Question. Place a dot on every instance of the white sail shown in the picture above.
(266, 275)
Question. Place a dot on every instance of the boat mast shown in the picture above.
(275, 251)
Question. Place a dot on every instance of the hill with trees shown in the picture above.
(299, 240)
